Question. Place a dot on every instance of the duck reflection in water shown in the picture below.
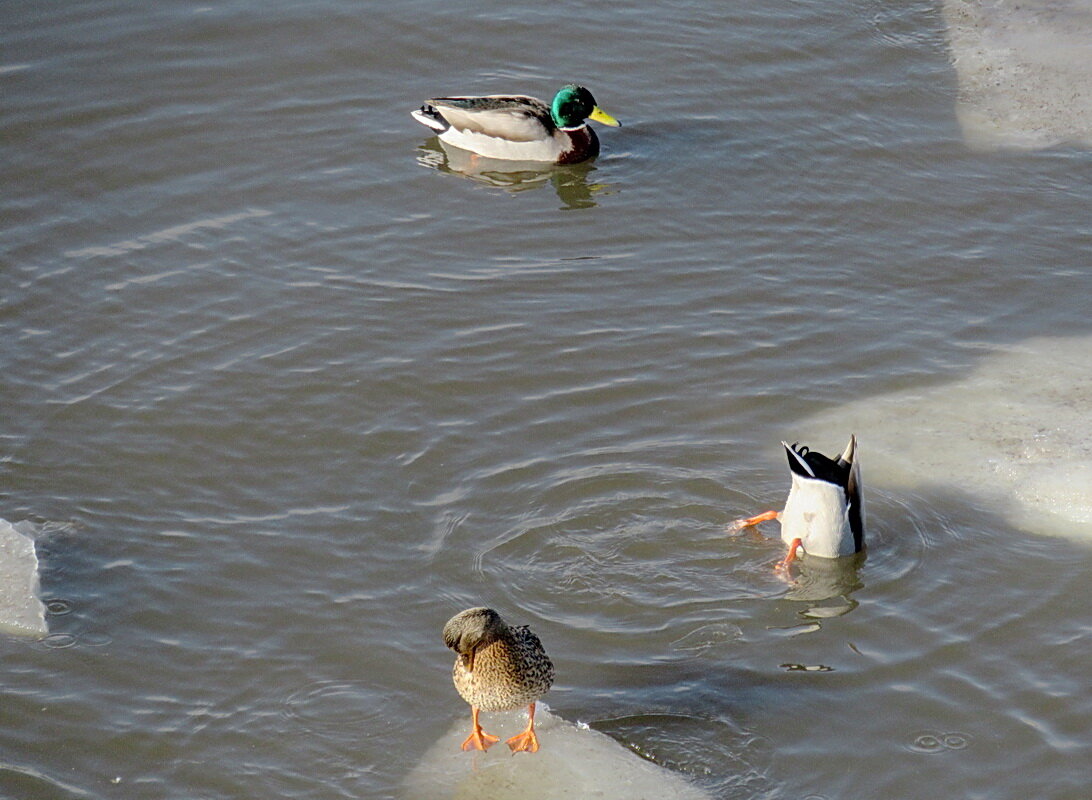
(827, 584)
(570, 181)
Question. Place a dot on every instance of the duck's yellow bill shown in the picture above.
(599, 115)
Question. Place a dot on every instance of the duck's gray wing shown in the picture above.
(514, 117)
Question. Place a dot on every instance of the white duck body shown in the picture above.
(522, 131)
(518, 127)
(824, 509)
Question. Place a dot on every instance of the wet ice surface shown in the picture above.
(1015, 433)
(1025, 71)
(21, 610)
(573, 761)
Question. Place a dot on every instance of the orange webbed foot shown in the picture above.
(524, 742)
(783, 564)
(740, 524)
(479, 740)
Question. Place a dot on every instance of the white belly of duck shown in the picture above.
(554, 149)
(816, 514)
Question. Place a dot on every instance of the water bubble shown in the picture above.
(956, 741)
(927, 743)
(58, 607)
(59, 641)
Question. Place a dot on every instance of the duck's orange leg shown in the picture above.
(783, 564)
(740, 524)
(478, 739)
(526, 741)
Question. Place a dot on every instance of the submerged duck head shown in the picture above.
(823, 510)
(573, 104)
(468, 630)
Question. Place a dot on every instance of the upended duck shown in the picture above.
(498, 668)
(518, 127)
(823, 515)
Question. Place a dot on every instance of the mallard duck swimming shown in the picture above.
(498, 668)
(517, 127)
(823, 515)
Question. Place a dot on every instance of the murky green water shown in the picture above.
(282, 393)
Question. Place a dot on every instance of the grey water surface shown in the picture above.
(282, 391)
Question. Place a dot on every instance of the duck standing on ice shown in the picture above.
(498, 668)
(823, 515)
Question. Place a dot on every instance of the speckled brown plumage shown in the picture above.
(498, 668)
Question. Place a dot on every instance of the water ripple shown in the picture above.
(172, 234)
(718, 754)
(16, 781)
(344, 709)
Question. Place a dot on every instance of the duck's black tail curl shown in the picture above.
(428, 116)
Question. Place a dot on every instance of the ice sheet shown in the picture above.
(1015, 432)
(1024, 69)
(21, 611)
(573, 761)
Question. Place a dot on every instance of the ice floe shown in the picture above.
(573, 761)
(1024, 69)
(1016, 432)
(21, 610)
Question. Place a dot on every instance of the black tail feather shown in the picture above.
(431, 118)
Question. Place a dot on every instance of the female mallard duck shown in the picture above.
(823, 515)
(517, 127)
(498, 668)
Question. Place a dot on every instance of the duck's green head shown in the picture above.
(574, 104)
